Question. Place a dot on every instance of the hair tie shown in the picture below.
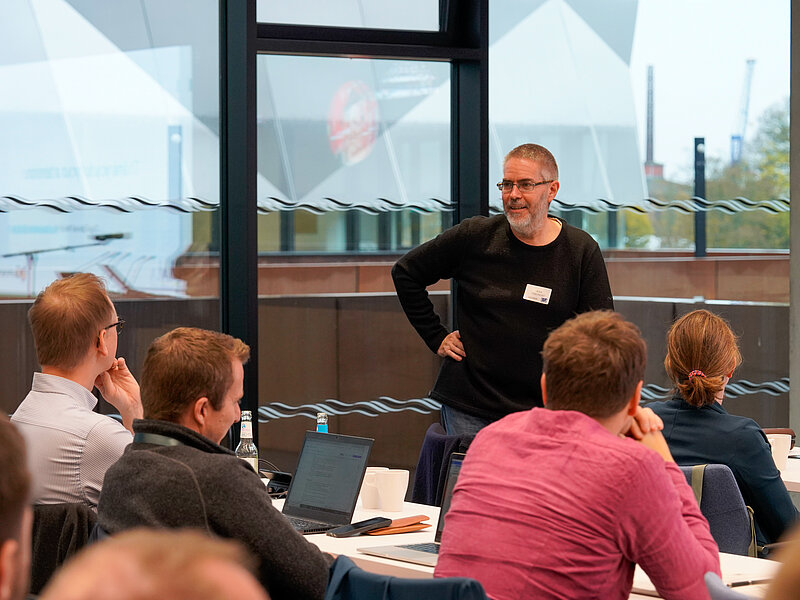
(696, 372)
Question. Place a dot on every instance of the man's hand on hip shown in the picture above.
(452, 347)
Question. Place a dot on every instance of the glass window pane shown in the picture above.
(420, 15)
(369, 147)
(585, 96)
(354, 168)
(110, 160)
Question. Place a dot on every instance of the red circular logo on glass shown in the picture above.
(353, 122)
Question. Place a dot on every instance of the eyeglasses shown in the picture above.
(526, 185)
(119, 324)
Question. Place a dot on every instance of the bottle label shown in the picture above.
(252, 461)
(247, 429)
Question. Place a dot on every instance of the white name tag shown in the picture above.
(537, 293)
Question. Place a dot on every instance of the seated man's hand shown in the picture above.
(121, 390)
(643, 422)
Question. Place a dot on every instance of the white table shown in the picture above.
(349, 546)
(734, 567)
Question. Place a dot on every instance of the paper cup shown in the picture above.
(369, 489)
(780, 443)
(392, 486)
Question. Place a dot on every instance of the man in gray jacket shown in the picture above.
(175, 473)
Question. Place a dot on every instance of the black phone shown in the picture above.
(360, 527)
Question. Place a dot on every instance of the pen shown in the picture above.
(749, 582)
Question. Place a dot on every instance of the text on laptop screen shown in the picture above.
(327, 473)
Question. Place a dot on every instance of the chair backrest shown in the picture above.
(59, 531)
(434, 456)
(724, 509)
(718, 590)
(349, 582)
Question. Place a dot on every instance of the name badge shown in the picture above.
(537, 293)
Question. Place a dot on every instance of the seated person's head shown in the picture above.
(702, 353)
(194, 377)
(71, 317)
(158, 565)
(593, 364)
(15, 514)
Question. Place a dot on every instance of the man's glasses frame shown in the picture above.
(524, 186)
(119, 325)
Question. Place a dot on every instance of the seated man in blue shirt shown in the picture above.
(75, 328)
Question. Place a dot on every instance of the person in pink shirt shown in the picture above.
(564, 501)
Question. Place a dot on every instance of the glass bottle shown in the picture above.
(322, 422)
(246, 450)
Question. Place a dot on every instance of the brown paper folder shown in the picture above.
(403, 525)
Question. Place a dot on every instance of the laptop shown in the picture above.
(425, 553)
(325, 487)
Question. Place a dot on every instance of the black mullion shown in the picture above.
(238, 203)
(365, 50)
(400, 37)
(469, 144)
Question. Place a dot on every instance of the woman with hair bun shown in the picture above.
(702, 353)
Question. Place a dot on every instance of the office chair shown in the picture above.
(349, 582)
(434, 456)
(718, 590)
(723, 507)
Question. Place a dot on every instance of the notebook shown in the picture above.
(425, 553)
(325, 486)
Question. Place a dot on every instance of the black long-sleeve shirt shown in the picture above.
(502, 331)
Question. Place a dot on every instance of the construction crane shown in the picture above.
(737, 138)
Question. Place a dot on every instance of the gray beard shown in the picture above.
(530, 225)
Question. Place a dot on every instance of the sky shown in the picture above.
(698, 49)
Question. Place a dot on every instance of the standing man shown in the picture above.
(16, 515)
(175, 474)
(75, 328)
(520, 275)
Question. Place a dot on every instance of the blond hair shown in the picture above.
(66, 319)
(143, 564)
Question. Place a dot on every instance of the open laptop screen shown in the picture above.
(456, 460)
(328, 477)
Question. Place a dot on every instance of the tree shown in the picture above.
(762, 174)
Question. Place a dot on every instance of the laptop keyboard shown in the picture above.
(431, 547)
(309, 526)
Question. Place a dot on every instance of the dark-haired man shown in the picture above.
(556, 502)
(175, 474)
(16, 515)
(519, 275)
(75, 328)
